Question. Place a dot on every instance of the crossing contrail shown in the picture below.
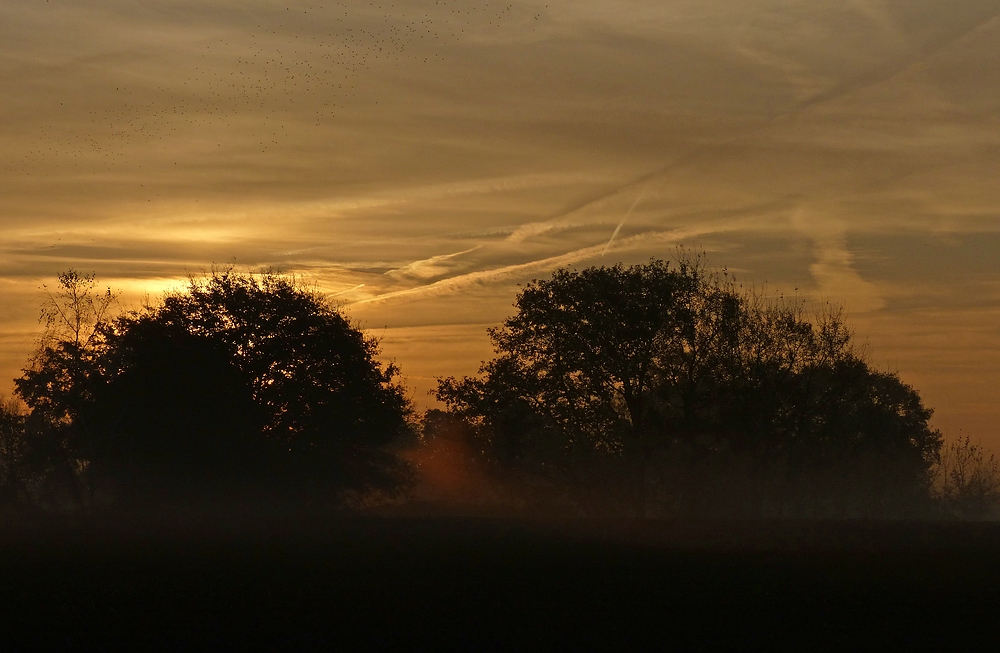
(343, 292)
(622, 223)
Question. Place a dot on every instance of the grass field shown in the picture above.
(436, 583)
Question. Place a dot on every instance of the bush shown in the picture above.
(967, 480)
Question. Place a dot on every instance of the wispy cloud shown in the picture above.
(520, 270)
(429, 267)
(833, 268)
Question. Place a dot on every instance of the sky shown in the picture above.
(418, 161)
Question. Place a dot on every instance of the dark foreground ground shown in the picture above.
(432, 584)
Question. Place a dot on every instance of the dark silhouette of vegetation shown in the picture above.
(672, 389)
(57, 384)
(13, 447)
(968, 480)
(240, 387)
(657, 389)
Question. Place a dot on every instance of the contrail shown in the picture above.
(360, 285)
(622, 223)
(880, 74)
(452, 284)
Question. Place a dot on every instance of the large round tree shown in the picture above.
(241, 384)
(672, 385)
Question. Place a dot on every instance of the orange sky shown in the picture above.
(419, 160)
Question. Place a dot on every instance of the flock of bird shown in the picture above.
(268, 71)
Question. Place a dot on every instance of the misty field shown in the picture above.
(462, 583)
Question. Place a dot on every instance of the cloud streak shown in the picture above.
(520, 270)
(621, 224)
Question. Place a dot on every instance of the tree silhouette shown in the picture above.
(249, 376)
(576, 364)
(55, 382)
(968, 480)
(58, 382)
(13, 452)
(677, 382)
(171, 418)
(241, 385)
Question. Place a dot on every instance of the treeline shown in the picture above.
(652, 390)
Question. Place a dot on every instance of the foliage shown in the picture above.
(567, 393)
(676, 386)
(13, 452)
(241, 385)
(55, 384)
(58, 383)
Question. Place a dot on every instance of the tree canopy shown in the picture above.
(651, 389)
(678, 389)
(240, 383)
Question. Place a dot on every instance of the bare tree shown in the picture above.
(72, 311)
(57, 381)
(72, 314)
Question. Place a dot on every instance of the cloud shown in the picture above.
(833, 269)
(521, 270)
(429, 267)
